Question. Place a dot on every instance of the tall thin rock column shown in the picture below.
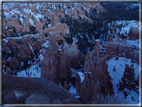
(97, 47)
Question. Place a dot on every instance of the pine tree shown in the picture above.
(114, 69)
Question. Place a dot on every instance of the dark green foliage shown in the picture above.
(69, 40)
(32, 29)
(118, 11)
(60, 42)
(47, 22)
(81, 27)
(19, 21)
(114, 69)
(46, 34)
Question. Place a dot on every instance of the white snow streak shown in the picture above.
(41, 57)
(46, 44)
(31, 21)
(73, 91)
(31, 48)
(33, 71)
(132, 43)
(81, 75)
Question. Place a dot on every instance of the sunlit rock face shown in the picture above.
(59, 29)
(19, 19)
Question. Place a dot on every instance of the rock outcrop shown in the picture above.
(129, 80)
(55, 65)
(59, 29)
(87, 88)
(122, 47)
(19, 49)
(73, 53)
(134, 33)
(96, 75)
(22, 90)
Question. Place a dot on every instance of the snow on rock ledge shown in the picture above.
(116, 69)
(33, 71)
(81, 75)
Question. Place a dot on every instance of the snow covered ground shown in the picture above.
(79, 72)
(117, 74)
(134, 43)
(46, 44)
(33, 71)
(73, 90)
(118, 27)
(73, 72)
(82, 76)
(125, 26)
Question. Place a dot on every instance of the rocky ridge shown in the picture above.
(37, 91)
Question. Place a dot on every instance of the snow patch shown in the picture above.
(18, 94)
(31, 21)
(7, 15)
(22, 63)
(21, 20)
(41, 57)
(31, 48)
(46, 44)
(73, 91)
(5, 40)
(33, 71)
(73, 72)
(132, 43)
(60, 85)
(49, 25)
(37, 16)
(126, 25)
(42, 50)
(9, 58)
(87, 72)
(81, 75)
(6, 27)
(118, 73)
(37, 7)
(19, 37)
